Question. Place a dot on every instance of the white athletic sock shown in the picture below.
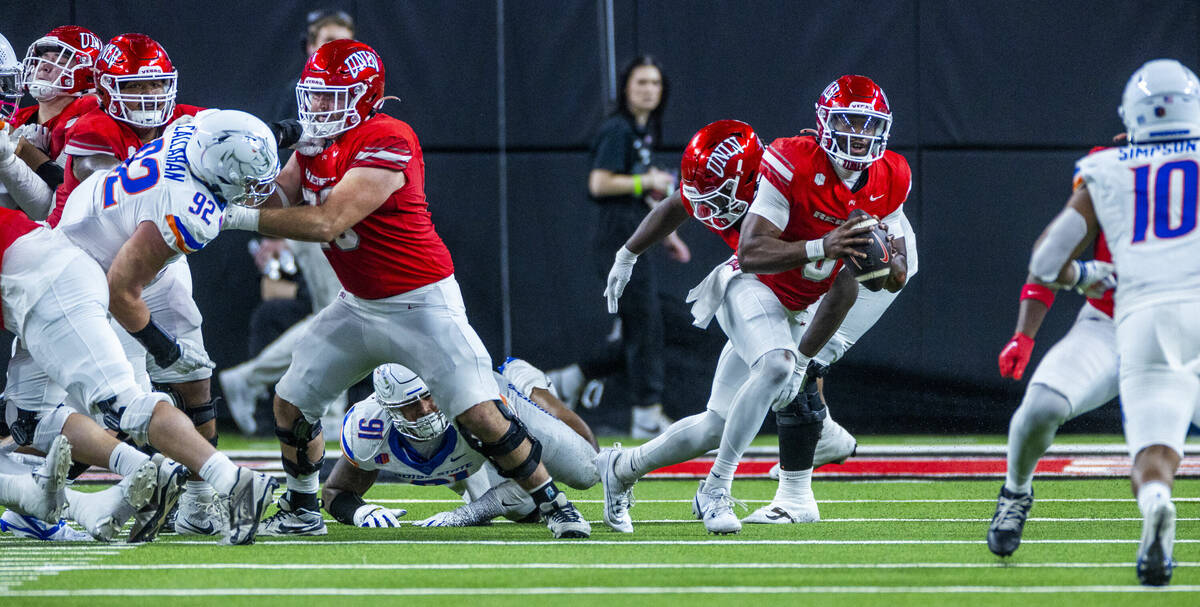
(308, 483)
(687, 438)
(746, 413)
(795, 487)
(1031, 432)
(1152, 493)
(125, 460)
(11, 488)
(219, 471)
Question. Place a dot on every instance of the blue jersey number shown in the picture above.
(371, 429)
(129, 183)
(1189, 173)
(202, 206)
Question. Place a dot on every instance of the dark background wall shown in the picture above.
(993, 101)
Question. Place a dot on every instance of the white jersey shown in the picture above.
(1145, 197)
(154, 185)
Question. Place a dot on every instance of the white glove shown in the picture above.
(371, 515)
(524, 376)
(1094, 278)
(36, 134)
(8, 145)
(190, 359)
(795, 384)
(452, 518)
(238, 217)
(310, 146)
(618, 277)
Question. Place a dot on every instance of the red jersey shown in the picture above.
(394, 249)
(98, 133)
(730, 235)
(13, 225)
(820, 202)
(60, 124)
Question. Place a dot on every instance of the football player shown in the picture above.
(57, 72)
(400, 430)
(137, 221)
(363, 195)
(1144, 197)
(1077, 375)
(36, 493)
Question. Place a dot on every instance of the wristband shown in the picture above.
(637, 185)
(238, 217)
(50, 173)
(1041, 293)
(161, 346)
(815, 249)
(344, 506)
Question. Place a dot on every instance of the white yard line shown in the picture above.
(266, 541)
(603, 590)
(878, 520)
(819, 501)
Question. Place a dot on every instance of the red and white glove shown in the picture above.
(1015, 355)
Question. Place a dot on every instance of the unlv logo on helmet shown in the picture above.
(722, 153)
(110, 54)
(361, 60)
(90, 40)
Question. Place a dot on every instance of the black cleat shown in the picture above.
(1004, 534)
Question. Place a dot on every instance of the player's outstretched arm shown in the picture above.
(343, 497)
(135, 266)
(830, 314)
(660, 222)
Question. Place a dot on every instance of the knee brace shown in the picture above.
(200, 414)
(299, 435)
(512, 438)
(133, 419)
(50, 426)
(24, 427)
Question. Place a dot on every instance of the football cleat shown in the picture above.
(102, 514)
(649, 422)
(1155, 563)
(784, 512)
(201, 514)
(835, 445)
(294, 521)
(241, 397)
(247, 501)
(44, 498)
(150, 520)
(564, 519)
(618, 497)
(1004, 534)
(715, 508)
(21, 525)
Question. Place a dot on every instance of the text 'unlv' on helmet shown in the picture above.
(854, 120)
(341, 86)
(136, 81)
(396, 387)
(1161, 102)
(234, 154)
(10, 80)
(61, 63)
(719, 172)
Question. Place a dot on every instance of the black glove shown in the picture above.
(287, 132)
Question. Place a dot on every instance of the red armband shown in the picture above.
(1041, 293)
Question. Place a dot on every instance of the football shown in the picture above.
(873, 271)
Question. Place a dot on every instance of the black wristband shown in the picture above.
(287, 132)
(161, 346)
(50, 173)
(344, 505)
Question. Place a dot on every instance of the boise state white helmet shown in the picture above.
(1161, 102)
(396, 387)
(10, 80)
(235, 154)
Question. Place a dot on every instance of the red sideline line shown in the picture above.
(932, 467)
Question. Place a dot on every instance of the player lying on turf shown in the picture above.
(36, 493)
(400, 430)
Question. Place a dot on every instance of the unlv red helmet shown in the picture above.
(341, 86)
(853, 122)
(719, 172)
(136, 81)
(61, 62)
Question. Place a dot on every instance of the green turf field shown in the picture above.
(879, 543)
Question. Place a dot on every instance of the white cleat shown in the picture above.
(649, 422)
(1154, 558)
(835, 445)
(21, 525)
(293, 520)
(563, 519)
(715, 508)
(102, 514)
(201, 514)
(783, 512)
(241, 397)
(618, 497)
(247, 502)
(150, 520)
(45, 498)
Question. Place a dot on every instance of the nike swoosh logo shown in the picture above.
(455, 459)
(779, 513)
(874, 198)
(206, 530)
(508, 505)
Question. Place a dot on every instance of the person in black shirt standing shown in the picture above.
(625, 185)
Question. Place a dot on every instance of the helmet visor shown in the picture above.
(719, 208)
(427, 427)
(50, 68)
(860, 136)
(143, 100)
(325, 111)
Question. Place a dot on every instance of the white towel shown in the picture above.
(708, 295)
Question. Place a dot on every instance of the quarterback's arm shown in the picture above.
(135, 266)
(83, 166)
(762, 251)
(659, 223)
(828, 317)
(343, 492)
(357, 195)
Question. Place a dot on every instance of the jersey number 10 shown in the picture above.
(1162, 200)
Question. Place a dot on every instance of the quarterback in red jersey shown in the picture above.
(136, 83)
(359, 187)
